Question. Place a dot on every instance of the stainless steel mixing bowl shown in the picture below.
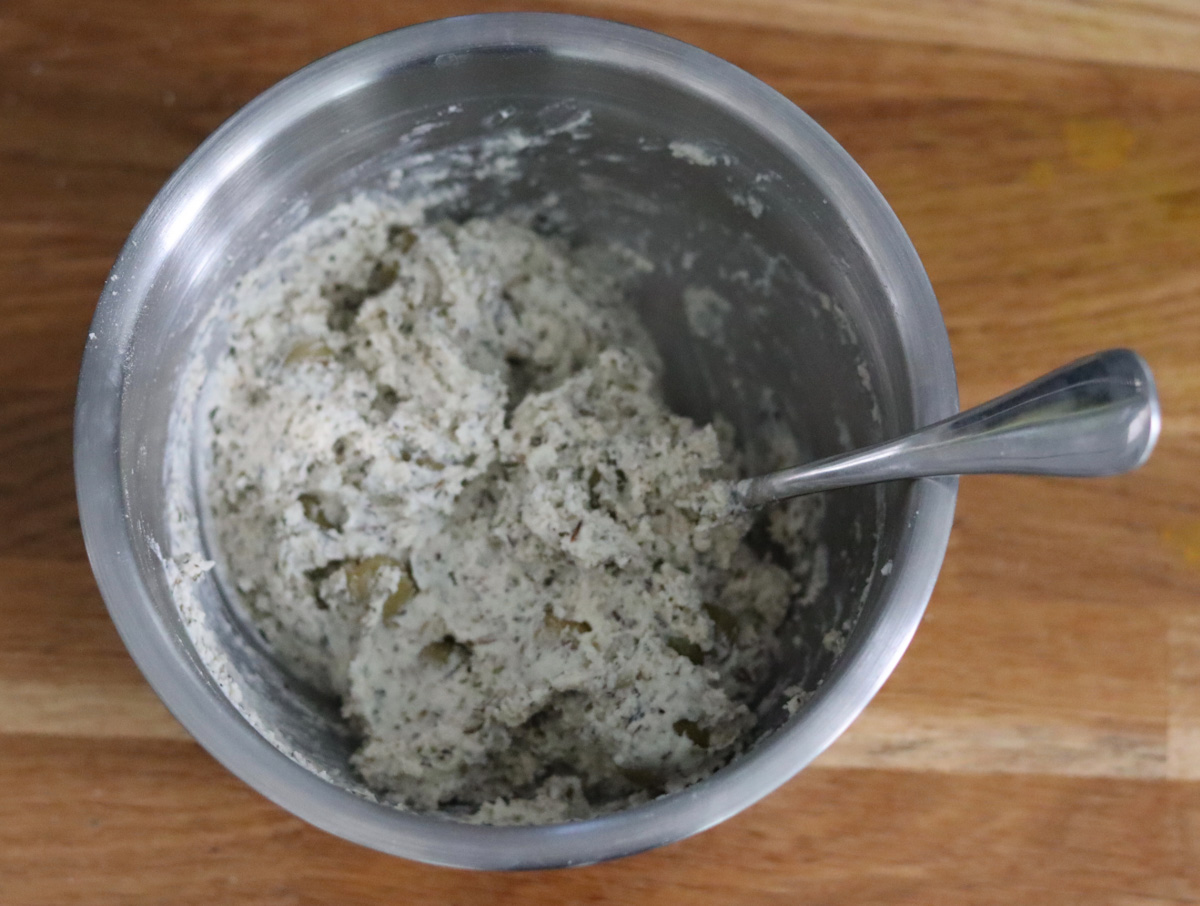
(707, 172)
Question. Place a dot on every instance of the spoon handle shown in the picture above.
(1097, 416)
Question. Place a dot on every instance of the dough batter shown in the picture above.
(447, 490)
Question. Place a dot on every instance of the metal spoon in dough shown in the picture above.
(1097, 416)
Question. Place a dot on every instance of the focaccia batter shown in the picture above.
(447, 490)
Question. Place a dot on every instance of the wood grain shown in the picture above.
(1040, 743)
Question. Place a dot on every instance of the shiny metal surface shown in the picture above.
(1094, 417)
(821, 280)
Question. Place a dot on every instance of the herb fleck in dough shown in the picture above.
(447, 490)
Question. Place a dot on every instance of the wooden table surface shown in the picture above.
(1040, 743)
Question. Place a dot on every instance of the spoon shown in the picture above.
(1096, 416)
